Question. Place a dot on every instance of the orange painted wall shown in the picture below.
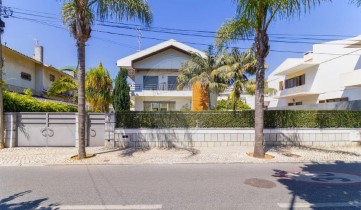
(199, 97)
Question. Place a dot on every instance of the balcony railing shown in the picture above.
(159, 87)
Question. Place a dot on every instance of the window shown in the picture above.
(150, 82)
(333, 100)
(159, 106)
(295, 81)
(295, 103)
(51, 78)
(25, 76)
(172, 83)
(280, 85)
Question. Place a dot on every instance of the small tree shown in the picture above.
(98, 89)
(121, 100)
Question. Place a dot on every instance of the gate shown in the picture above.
(45, 129)
(96, 129)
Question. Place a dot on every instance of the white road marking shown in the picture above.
(105, 207)
(319, 205)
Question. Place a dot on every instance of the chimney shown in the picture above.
(39, 53)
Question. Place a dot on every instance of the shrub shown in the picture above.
(14, 102)
(228, 105)
(240, 119)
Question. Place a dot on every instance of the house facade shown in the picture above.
(23, 72)
(331, 72)
(154, 72)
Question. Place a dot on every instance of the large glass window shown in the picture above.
(172, 83)
(150, 82)
(159, 106)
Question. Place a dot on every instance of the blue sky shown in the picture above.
(337, 18)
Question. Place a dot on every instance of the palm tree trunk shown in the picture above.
(261, 51)
(2, 140)
(81, 100)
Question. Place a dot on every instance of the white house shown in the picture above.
(23, 72)
(331, 72)
(154, 71)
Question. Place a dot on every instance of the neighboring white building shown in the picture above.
(23, 72)
(329, 73)
(247, 99)
(154, 71)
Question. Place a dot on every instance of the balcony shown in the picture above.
(292, 65)
(159, 90)
(298, 91)
(351, 79)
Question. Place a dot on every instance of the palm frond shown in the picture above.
(123, 9)
(63, 85)
(233, 30)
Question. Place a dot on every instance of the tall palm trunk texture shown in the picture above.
(261, 52)
(2, 136)
(81, 99)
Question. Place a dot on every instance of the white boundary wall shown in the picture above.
(236, 137)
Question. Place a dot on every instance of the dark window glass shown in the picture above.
(150, 82)
(51, 77)
(25, 76)
(295, 81)
(172, 82)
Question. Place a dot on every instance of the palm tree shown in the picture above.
(253, 18)
(79, 16)
(250, 88)
(204, 71)
(73, 70)
(98, 87)
(357, 2)
(2, 137)
(238, 65)
(63, 85)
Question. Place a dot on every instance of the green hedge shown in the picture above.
(240, 119)
(14, 102)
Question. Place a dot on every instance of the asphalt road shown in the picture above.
(194, 186)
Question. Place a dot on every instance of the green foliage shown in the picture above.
(204, 70)
(121, 98)
(14, 102)
(205, 119)
(98, 85)
(224, 105)
(28, 92)
(65, 84)
(250, 88)
(240, 119)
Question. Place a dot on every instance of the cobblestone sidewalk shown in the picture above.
(58, 156)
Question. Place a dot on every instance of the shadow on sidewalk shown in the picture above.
(320, 184)
(8, 203)
(286, 149)
(129, 152)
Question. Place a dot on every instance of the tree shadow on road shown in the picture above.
(9, 204)
(324, 191)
